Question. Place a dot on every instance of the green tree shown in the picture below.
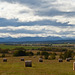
(53, 56)
(61, 56)
(19, 53)
(45, 54)
(3, 55)
(68, 53)
(38, 53)
(20, 48)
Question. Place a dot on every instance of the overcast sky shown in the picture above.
(31, 18)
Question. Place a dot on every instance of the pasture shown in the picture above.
(70, 46)
(14, 66)
(14, 46)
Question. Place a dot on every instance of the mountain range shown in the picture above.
(27, 39)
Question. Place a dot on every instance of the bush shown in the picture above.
(68, 54)
(4, 50)
(29, 53)
(45, 54)
(3, 55)
(54, 49)
(52, 56)
(38, 53)
(61, 56)
(20, 48)
(41, 56)
(19, 53)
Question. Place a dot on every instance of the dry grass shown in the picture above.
(15, 66)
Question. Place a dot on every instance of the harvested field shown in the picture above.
(49, 67)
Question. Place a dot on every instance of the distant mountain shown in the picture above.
(51, 39)
(22, 39)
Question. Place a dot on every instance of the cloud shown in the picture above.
(41, 31)
(24, 11)
(18, 11)
(13, 22)
(22, 18)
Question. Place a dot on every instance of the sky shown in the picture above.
(37, 18)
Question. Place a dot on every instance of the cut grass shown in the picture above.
(49, 67)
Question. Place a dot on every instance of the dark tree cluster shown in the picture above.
(67, 54)
(4, 50)
(53, 49)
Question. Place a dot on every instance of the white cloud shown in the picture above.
(64, 5)
(18, 11)
(26, 35)
(32, 35)
(46, 31)
(25, 13)
(12, 11)
(33, 28)
(64, 19)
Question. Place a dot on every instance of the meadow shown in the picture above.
(14, 66)
(70, 46)
(14, 46)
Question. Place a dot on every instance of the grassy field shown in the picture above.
(36, 47)
(49, 67)
(12, 47)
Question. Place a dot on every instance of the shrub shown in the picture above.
(54, 49)
(52, 56)
(3, 55)
(19, 53)
(41, 56)
(38, 53)
(68, 54)
(20, 48)
(29, 53)
(45, 54)
(61, 56)
(4, 50)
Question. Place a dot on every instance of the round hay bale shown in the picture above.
(4, 59)
(60, 60)
(70, 58)
(34, 56)
(73, 65)
(40, 60)
(28, 63)
(22, 59)
(67, 59)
